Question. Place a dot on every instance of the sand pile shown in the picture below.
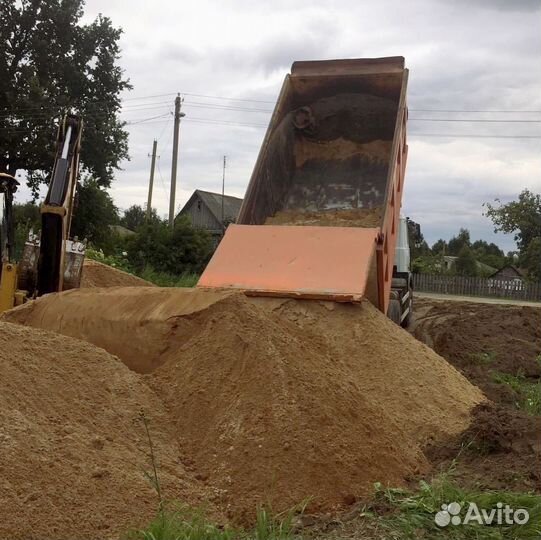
(356, 217)
(96, 274)
(274, 400)
(73, 449)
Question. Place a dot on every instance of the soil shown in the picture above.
(502, 448)
(360, 217)
(73, 446)
(480, 339)
(96, 274)
(273, 401)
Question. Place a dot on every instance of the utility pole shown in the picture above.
(151, 181)
(176, 129)
(223, 193)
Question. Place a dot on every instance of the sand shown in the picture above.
(357, 217)
(72, 444)
(96, 274)
(274, 400)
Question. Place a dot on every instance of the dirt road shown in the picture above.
(476, 299)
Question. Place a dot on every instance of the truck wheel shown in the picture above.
(394, 310)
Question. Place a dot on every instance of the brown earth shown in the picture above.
(502, 448)
(96, 274)
(273, 401)
(481, 339)
(73, 447)
(359, 217)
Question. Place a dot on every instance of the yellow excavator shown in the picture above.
(51, 261)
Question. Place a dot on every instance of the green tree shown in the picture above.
(417, 243)
(465, 264)
(26, 217)
(93, 215)
(427, 264)
(51, 63)
(155, 246)
(135, 216)
(440, 247)
(522, 217)
(531, 259)
(458, 242)
(489, 254)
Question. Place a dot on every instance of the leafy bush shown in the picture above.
(176, 252)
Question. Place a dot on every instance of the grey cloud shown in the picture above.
(462, 54)
(503, 5)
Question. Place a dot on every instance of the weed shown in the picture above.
(528, 392)
(407, 513)
(175, 521)
(482, 358)
(163, 279)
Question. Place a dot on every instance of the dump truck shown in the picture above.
(321, 214)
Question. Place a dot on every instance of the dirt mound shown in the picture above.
(96, 274)
(73, 447)
(480, 339)
(489, 342)
(274, 400)
(500, 450)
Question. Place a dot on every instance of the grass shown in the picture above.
(528, 392)
(410, 515)
(163, 279)
(483, 358)
(183, 523)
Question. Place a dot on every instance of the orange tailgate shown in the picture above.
(329, 263)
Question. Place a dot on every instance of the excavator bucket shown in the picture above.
(323, 263)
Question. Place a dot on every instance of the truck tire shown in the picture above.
(394, 310)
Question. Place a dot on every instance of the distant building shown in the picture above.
(204, 210)
(508, 273)
(507, 278)
(449, 262)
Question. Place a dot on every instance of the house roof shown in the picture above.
(519, 271)
(213, 201)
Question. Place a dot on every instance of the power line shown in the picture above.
(223, 122)
(473, 136)
(473, 120)
(476, 111)
(228, 98)
(130, 123)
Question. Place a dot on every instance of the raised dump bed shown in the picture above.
(333, 162)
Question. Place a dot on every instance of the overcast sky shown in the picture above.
(463, 55)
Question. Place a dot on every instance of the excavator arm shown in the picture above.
(56, 213)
